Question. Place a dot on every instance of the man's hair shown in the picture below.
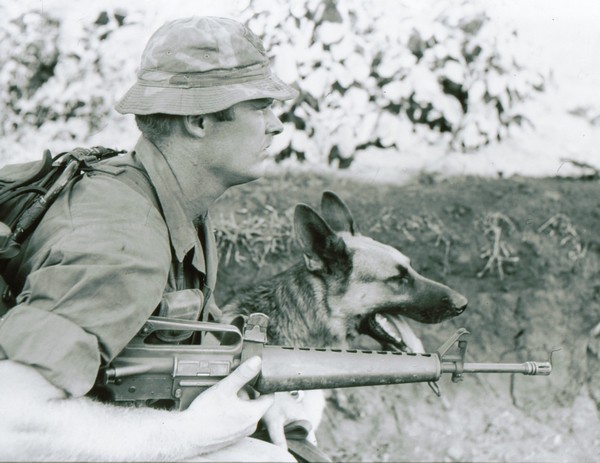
(157, 126)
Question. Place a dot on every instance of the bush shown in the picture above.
(55, 79)
(371, 71)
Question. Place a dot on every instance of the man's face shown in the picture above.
(239, 146)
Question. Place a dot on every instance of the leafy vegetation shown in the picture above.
(58, 82)
(369, 72)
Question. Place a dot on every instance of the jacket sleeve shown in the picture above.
(98, 265)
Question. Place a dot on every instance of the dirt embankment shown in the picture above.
(527, 255)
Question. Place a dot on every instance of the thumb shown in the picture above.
(241, 376)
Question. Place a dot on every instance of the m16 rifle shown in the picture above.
(144, 373)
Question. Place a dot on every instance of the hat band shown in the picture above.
(205, 79)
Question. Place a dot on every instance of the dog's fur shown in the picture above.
(348, 283)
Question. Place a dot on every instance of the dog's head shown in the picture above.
(364, 277)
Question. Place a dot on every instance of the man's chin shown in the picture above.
(249, 176)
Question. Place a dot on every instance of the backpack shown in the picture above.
(27, 190)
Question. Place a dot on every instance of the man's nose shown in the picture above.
(274, 125)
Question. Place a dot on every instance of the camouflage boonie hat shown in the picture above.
(201, 65)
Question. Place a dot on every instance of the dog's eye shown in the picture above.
(400, 278)
(402, 272)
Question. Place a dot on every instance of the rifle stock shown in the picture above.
(145, 372)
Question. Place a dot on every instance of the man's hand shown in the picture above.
(225, 407)
(287, 408)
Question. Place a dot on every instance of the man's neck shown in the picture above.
(199, 186)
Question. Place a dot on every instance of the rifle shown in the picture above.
(146, 373)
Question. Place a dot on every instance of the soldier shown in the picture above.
(118, 242)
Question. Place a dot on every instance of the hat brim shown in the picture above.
(145, 99)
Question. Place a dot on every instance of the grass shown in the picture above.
(253, 236)
(561, 226)
(497, 250)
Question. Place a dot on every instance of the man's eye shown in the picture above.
(260, 105)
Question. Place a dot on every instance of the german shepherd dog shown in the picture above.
(348, 284)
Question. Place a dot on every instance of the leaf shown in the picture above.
(358, 67)
(300, 141)
(341, 75)
(471, 137)
(366, 128)
(329, 32)
(450, 108)
(389, 65)
(477, 91)
(398, 90)
(387, 128)
(345, 139)
(496, 83)
(425, 85)
(453, 71)
(284, 64)
(355, 100)
(298, 10)
(341, 50)
(316, 83)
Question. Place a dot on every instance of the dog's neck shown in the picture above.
(296, 303)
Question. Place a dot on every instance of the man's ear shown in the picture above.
(194, 126)
(323, 249)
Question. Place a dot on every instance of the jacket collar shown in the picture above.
(182, 232)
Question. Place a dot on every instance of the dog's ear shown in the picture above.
(337, 214)
(323, 249)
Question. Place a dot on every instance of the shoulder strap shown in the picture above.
(30, 197)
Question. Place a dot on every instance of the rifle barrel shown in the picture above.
(526, 368)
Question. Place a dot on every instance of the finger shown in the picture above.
(240, 376)
(248, 392)
(277, 434)
(263, 403)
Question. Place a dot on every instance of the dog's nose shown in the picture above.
(460, 304)
(460, 309)
(457, 302)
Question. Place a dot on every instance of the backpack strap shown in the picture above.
(7, 298)
(38, 191)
